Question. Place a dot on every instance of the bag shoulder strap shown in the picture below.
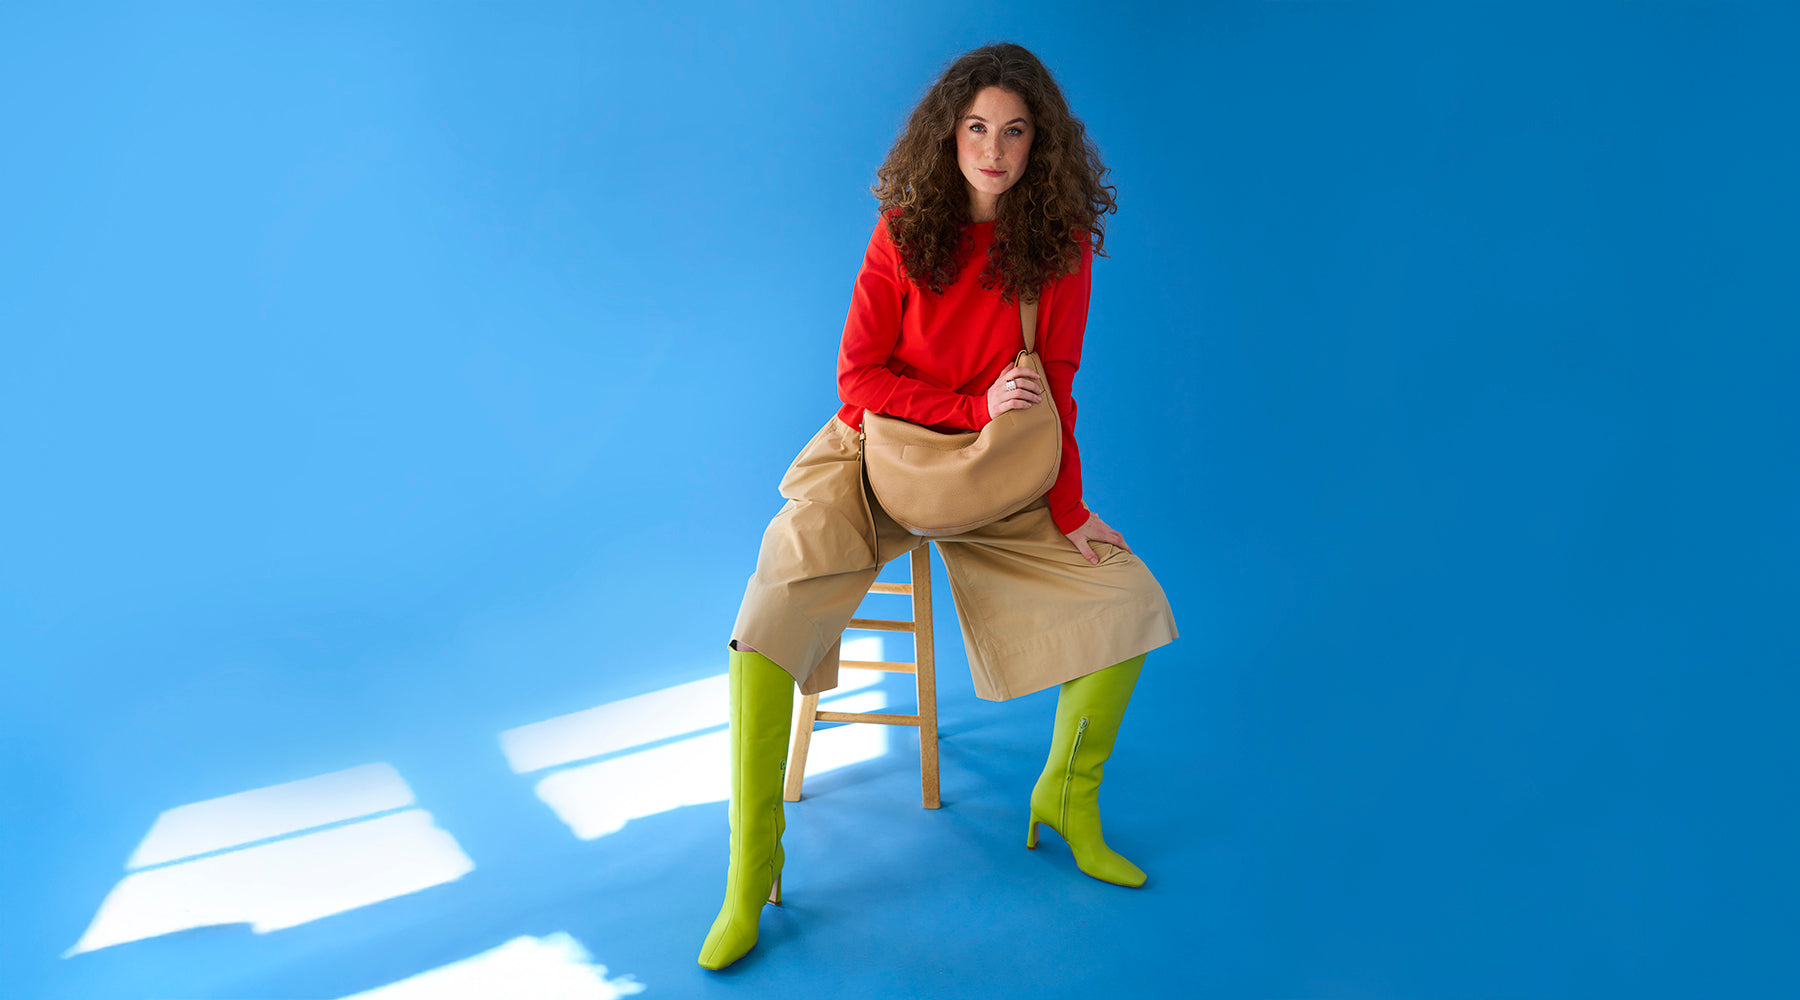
(1028, 323)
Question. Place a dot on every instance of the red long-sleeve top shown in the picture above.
(930, 358)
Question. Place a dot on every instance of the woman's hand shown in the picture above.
(1015, 389)
(1095, 530)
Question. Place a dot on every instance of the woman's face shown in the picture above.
(993, 141)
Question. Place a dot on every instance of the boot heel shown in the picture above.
(1031, 836)
(775, 893)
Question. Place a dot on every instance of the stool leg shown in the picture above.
(925, 662)
(803, 733)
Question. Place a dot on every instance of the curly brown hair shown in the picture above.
(1041, 221)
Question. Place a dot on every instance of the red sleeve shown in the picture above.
(1060, 334)
(870, 332)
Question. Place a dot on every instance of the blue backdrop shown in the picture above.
(379, 378)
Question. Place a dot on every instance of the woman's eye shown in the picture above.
(1015, 131)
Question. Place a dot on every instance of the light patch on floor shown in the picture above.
(556, 967)
(216, 824)
(648, 718)
(277, 857)
(599, 797)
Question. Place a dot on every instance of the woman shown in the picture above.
(990, 197)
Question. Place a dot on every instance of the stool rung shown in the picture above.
(923, 669)
(892, 668)
(886, 720)
(882, 625)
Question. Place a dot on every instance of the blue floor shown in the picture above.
(1376, 838)
(880, 893)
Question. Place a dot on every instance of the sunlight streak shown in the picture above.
(241, 876)
(647, 718)
(600, 798)
(228, 821)
(525, 968)
(595, 797)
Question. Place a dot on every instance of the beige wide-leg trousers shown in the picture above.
(1034, 612)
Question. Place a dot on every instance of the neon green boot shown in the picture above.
(1066, 799)
(762, 708)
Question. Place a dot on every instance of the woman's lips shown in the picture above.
(992, 173)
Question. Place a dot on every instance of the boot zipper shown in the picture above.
(775, 824)
(1069, 775)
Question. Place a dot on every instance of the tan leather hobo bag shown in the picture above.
(935, 484)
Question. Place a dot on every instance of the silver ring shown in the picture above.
(1012, 383)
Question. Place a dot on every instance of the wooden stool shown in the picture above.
(923, 668)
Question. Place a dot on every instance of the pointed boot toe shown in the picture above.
(1110, 866)
(731, 938)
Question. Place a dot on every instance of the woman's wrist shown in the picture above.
(1069, 521)
(979, 416)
